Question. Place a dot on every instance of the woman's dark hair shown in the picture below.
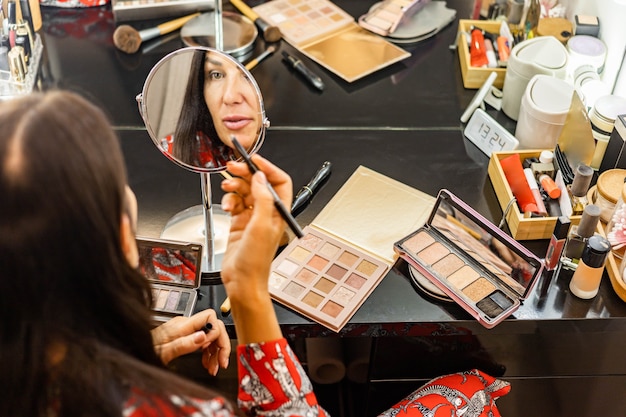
(195, 118)
(64, 279)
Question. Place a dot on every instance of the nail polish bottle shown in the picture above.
(586, 280)
(557, 242)
(578, 236)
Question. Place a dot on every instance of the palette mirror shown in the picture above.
(193, 102)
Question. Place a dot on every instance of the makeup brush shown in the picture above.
(128, 39)
(270, 33)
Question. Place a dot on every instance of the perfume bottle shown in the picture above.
(577, 190)
(578, 236)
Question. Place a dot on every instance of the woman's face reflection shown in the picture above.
(232, 101)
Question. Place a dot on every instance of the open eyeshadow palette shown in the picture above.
(471, 260)
(328, 274)
(173, 269)
(330, 36)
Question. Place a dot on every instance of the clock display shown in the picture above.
(489, 135)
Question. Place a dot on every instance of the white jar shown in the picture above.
(543, 111)
(602, 117)
(539, 55)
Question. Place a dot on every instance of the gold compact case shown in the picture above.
(471, 260)
(173, 269)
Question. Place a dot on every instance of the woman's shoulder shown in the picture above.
(144, 404)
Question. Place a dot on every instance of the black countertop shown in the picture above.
(402, 121)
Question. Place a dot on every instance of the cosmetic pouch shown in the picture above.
(470, 394)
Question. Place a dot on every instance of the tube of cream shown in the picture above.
(534, 188)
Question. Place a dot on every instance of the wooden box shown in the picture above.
(474, 77)
(521, 228)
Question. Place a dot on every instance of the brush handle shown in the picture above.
(165, 28)
(270, 33)
(245, 9)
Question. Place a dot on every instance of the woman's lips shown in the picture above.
(236, 123)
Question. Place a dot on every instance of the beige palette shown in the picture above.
(323, 278)
(473, 262)
(331, 37)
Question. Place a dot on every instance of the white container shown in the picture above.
(545, 104)
(540, 55)
(585, 50)
(602, 117)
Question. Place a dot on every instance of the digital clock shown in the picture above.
(489, 135)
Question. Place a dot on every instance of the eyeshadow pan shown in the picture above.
(299, 253)
(313, 299)
(344, 295)
(318, 262)
(162, 299)
(305, 276)
(324, 285)
(489, 307)
(329, 250)
(276, 280)
(287, 267)
(355, 281)
(310, 241)
(448, 264)
(294, 289)
(172, 300)
(366, 267)
(332, 309)
(478, 289)
(336, 271)
(418, 242)
(182, 302)
(433, 253)
(348, 258)
(463, 277)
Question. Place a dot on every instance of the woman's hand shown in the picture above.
(183, 335)
(255, 230)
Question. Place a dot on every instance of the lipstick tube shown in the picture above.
(534, 188)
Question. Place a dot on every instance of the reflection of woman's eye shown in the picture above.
(215, 75)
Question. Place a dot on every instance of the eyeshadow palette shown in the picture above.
(323, 278)
(173, 269)
(330, 36)
(475, 263)
(329, 273)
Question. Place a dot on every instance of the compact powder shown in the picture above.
(449, 264)
(479, 289)
(418, 242)
(463, 277)
(433, 253)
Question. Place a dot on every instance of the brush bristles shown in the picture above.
(126, 39)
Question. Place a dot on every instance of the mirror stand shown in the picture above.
(204, 224)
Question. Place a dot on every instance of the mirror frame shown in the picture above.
(143, 98)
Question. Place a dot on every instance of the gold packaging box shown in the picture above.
(521, 228)
(474, 77)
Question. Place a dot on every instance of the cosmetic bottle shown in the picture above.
(586, 280)
(577, 190)
(578, 236)
(616, 228)
(557, 242)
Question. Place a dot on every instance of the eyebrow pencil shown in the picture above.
(284, 213)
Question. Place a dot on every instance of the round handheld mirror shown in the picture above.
(194, 100)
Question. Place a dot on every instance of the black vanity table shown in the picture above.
(564, 356)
